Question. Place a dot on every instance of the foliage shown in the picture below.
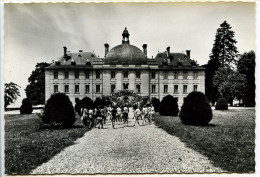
(230, 83)
(169, 106)
(35, 90)
(211, 91)
(222, 104)
(224, 48)
(196, 110)
(156, 104)
(58, 111)
(228, 144)
(86, 102)
(28, 146)
(246, 66)
(26, 107)
(144, 101)
(11, 93)
(102, 102)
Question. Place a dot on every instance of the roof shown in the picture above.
(79, 57)
(175, 58)
(125, 54)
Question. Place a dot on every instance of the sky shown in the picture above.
(37, 32)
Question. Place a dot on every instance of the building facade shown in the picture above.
(124, 67)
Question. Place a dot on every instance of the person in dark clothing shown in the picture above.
(113, 119)
(99, 118)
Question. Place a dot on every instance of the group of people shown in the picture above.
(97, 117)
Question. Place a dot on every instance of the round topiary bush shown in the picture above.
(196, 110)
(221, 104)
(156, 104)
(100, 102)
(86, 102)
(58, 111)
(26, 107)
(169, 106)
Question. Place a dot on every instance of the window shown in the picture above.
(97, 88)
(153, 88)
(138, 88)
(138, 74)
(195, 75)
(125, 74)
(176, 75)
(165, 88)
(195, 88)
(175, 88)
(113, 88)
(153, 75)
(184, 88)
(66, 74)
(97, 74)
(66, 89)
(165, 75)
(185, 75)
(56, 74)
(87, 74)
(125, 85)
(76, 88)
(56, 89)
(76, 74)
(113, 74)
(87, 89)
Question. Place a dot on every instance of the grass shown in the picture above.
(228, 142)
(27, 146)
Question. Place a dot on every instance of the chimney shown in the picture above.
(168, 52)
(65, 51)
(188, 53)
(145, 49)
(106, 49)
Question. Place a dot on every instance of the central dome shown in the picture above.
(125, 54)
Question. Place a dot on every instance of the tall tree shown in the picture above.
(11, 93)
(223, 53)
(224, 47)
(35, 90)
(246, 66)
(230, 83)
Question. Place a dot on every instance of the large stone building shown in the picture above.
(124, 67)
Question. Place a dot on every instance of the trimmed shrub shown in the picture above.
(156, 104)
(169, 106)
(58, 111)
(196, 110)
(222, 104)
(102, 102)
(84, 103)
(26, 107)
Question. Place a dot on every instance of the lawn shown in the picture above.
(27, 146)
(228, 142)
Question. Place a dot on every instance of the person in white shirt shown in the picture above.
(119, 114)
(145, 114)
(137, 115)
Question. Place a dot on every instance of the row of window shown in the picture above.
(113, 74)
(176, 88)
(125, 87)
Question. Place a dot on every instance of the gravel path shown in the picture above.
(132, 149)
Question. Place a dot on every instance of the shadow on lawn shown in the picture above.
(227, 143)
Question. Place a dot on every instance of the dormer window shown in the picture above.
(73, 62)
